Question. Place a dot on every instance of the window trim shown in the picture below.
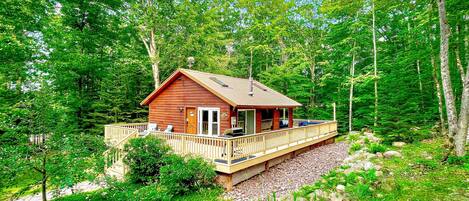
(210, 121)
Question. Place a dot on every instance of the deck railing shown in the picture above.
(223, 150)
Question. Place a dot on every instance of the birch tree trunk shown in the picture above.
(457, 128)
(445, 74)
(374, 65)
(312, 69)
(458, 57)
(153, 54)
(352, 77)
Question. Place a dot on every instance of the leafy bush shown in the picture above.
(355, 147)
(408, 136)
(375, 148)
(183, 175)
(145, 157)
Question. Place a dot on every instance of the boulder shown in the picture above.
(398, 144)
(379, 173)
(379, 154)
(340, 188)
(390, 154)
(368, 165)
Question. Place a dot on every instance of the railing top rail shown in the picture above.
(125, 124)
(281, 130)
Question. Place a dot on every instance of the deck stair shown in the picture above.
(116, 136)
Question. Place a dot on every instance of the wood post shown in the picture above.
(276, 119)
(229, 148)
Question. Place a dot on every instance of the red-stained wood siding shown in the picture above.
(258, 121)
(276, 120)
(168, 107)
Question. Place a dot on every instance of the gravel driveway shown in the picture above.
(291, 174)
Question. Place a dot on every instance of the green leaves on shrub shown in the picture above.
(375, 148)
(355, 147)
(183, 175)
(145, 157)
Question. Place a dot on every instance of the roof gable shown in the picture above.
(232, 90)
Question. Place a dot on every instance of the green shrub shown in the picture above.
(455, 160)
(145, 157)
(355, 147)
(183, 175)
(353, 137)
(408, 136)
(375, 148)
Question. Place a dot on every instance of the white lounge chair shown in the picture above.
(169, 129)
(150, 128)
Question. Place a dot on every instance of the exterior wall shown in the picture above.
(290, 117)
(169, 106)
(276, 120)
(258, 121)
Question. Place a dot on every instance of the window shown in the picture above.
(209, 121)
(247, 121)
(284, 118)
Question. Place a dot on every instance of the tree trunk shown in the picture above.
(457, 128)
(374, 65)
(438, 94)
(458, 57)
(312, 69)
(461, 134)
(153, 55)
(44, 178)
(352, 77)
(445, 74)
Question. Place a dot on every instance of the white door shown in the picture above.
(209, 121)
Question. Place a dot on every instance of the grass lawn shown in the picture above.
(20, 184)
(420, 175)
(204, 194)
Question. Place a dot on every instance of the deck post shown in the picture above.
(306, 134)
(183, 148)
(264, 143)
(229, 151)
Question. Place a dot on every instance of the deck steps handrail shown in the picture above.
(115, 154)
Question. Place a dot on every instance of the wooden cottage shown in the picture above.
(209, 104)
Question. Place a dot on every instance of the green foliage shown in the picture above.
(408, 136)
(145, 157)
(375, 148)
(183, 175)
(355, 147)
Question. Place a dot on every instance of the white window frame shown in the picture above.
(210, 118)
(255, 115)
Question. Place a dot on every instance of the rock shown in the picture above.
(379, 154)
(340, 188)
(335, 197)
(398, 144)
(368, 165)
(370, 156)
(379, 173)
(378, 167)
(390, 154)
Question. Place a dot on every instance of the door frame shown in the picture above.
(237, 118)
(199, 120)
(186, 122)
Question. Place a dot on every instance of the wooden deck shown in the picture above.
(228, 154)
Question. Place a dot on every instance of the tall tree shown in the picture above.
(458, 125)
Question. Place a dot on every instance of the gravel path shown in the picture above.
(291, 174)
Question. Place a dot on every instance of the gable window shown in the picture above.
(209, 121)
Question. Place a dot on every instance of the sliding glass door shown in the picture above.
(247, 121)
(209, 121)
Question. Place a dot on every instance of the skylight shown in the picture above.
(218, 81)
(260, 87)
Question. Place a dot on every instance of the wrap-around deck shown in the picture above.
(229, 154)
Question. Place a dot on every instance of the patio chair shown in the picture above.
(150, 128)
(169, 129)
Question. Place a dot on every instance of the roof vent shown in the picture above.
(260, 87)
(218, 81)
